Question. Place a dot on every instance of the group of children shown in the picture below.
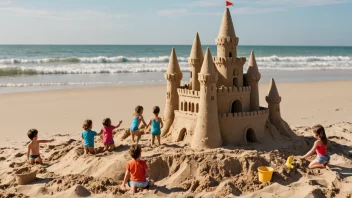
(137, 171)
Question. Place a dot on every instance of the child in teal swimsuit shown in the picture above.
(137, 119)
(156, 124)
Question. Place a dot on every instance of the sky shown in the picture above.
(257, 22)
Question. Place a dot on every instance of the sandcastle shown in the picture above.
(220, 105)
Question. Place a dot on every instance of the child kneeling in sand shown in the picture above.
(319, 146)
(137, 119)
(88, 137)
(136, 171)
(107, 129)
(33, 147)
(157, 125)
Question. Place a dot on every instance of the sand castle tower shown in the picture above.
(252, 78)
(173, 77)
(195, 60)
(273, 99)
(207, 132)
(230, 67)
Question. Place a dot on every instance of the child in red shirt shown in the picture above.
(136, 171)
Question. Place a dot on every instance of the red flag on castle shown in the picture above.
(228, 3)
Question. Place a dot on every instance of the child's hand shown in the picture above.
(302, 157)
(123, 187)
(120, 122)
(51, 140)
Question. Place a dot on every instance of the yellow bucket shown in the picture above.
(265, 173)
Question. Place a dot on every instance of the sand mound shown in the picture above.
(180, 171)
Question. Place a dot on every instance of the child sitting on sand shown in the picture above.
(107, 129)
(156, 124)
(88, 137)
(319, 146)
(137, 119)
(137, 171)
(33, 147)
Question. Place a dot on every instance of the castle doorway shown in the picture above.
(181, 134)
(250, 136)
(230, 54)
(236, 106)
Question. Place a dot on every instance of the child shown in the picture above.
(156, 124)
(33, 147)
(136, 171)
(137, 119)
(319, 146)
(107, 134)
(88, 137)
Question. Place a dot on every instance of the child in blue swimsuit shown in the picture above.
(137, 119)
(156, 124)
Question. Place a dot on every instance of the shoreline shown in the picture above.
(55, 112)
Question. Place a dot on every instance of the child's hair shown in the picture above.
(107, 122)
(156, 110)
(138, 110)
(32, 133)
(320, 132)
(135, 151)
(87, 124)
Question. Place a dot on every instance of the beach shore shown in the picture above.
(63, 111)
(178, 170)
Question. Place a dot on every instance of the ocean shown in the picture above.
(48, 67)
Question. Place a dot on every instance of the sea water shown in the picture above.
(46, 67)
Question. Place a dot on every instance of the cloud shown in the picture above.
(62, 15)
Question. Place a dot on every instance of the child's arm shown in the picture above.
(127, 176)
(142, 119)
(150, 122)
(118, 124)
(311, 150)
(29, 149)
(161, 123)
(45, 141)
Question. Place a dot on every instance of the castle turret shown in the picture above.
(195, 60)
(229, 66)
(207, 132)
(252, 78)
(173, 77)
(273, 99)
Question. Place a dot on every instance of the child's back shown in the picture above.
(137, 170)
(88, 137)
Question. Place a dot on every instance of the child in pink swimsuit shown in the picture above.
(319, 147)
(106, 131)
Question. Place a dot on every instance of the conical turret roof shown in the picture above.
(173, 63)
(252, 65)
(226, 28)
(208, 67)
(273, 93)
(196, 51)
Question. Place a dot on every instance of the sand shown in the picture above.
(178, 170)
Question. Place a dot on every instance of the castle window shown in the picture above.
(236, 106)
(235, 82)
(189, 107)
(190, 74)
(181, 106)
(192, 107)
(212, 98)
(197, 107)
(230, 54)
(185, 108)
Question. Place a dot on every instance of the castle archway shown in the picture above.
(181, 134)
(250, 136)
(185, 108)
(230, 54)
(192, 107)
(236, 106)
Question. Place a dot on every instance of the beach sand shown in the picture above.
(178, 170)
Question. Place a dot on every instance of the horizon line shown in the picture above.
(169, 45)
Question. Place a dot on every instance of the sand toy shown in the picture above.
(265, 173)
(25, 175)
(289, 162)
